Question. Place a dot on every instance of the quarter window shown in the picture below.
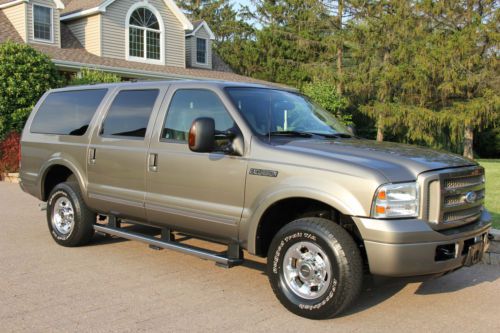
(67, 112)
(189, 104)
(201, 50)
(129, 113)
(42, 23)
(144, 35)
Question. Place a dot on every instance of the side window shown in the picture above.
(67, 112)
(129, 113)
(189, 104)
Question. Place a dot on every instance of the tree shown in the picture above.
(324, 94)
(93, 76)
(25, 75)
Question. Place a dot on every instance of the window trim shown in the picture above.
(51, 40)
(171, 98)
(206, 51)
(132, 9)
(159, 99)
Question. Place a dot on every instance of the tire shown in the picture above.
(315, 268)
(70, 221)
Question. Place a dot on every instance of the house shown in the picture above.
(146, 39)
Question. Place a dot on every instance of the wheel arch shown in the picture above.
(57, 170)
(261, 227)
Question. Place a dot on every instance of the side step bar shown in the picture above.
(220, 259)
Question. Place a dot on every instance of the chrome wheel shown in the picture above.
(63, 216)
(306, 270)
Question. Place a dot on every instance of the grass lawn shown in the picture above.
(492, 168)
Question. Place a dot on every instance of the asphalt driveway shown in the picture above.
(115, 285)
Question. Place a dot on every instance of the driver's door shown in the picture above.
(198, 192)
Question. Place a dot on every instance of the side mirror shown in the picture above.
(202, 135)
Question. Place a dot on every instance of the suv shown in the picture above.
(256, 168)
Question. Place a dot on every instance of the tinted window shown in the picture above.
(187, 105)
(67, 112)
(129, 114)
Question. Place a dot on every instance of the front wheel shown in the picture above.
(315, 268)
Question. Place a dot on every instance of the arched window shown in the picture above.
(145, 35)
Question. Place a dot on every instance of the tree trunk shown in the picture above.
(468, 142)
(380, 129)
(340, 49)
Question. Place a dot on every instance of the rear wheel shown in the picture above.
(70, 221)
(315, 268)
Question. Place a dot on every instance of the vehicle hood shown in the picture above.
(397, 162)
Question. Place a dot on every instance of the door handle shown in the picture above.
(92, 156)
(153, 162)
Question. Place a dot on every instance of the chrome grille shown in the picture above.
(462, 196)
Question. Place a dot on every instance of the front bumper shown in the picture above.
(410, 247)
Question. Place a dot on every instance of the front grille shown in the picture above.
(462, 196)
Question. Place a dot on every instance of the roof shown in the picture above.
(8, 3)
(197, 25)
(72, 56)
(80, 8)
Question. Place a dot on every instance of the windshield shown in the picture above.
(276, 112)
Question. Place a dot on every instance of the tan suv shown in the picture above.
(256, 168)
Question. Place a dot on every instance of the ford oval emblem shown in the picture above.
(470, 197)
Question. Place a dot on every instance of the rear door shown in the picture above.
(116, 159)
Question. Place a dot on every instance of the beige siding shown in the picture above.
(17, 16)
(55, 21)
(88, 32)
(202, 33)
(113, 28)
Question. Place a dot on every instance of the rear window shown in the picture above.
(67, 112)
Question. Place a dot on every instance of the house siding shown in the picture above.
(202, 33)
(17, 16)
(113, 40)
(88, 32)
(55, 21)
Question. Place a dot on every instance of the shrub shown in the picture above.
(93, 76)
(25, 75)
(10, 153)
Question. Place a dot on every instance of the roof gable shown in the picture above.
(197, 26)
(8, 3)
(81, 8)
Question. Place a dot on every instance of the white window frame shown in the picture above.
(161, 61)
(51, 24)
(196, 51)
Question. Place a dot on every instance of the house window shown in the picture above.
(42, 23)
(144, 35)
(201, 50)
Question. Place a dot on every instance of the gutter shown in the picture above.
(13, 3)
(128, 72)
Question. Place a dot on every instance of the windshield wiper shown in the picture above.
(334, 135)
(290, 133)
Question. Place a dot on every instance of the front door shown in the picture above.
(117, 154)
(198, 192)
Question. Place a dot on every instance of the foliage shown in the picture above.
(93, 76)
(492, 171)
(10, 153)
(25, 75)
(325, 95)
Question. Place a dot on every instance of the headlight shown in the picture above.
(396, 200)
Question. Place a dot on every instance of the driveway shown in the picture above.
(116, 285)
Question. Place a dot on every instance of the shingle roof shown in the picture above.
(71, 6)
(71, 51)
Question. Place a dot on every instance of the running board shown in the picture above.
(219, 258)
